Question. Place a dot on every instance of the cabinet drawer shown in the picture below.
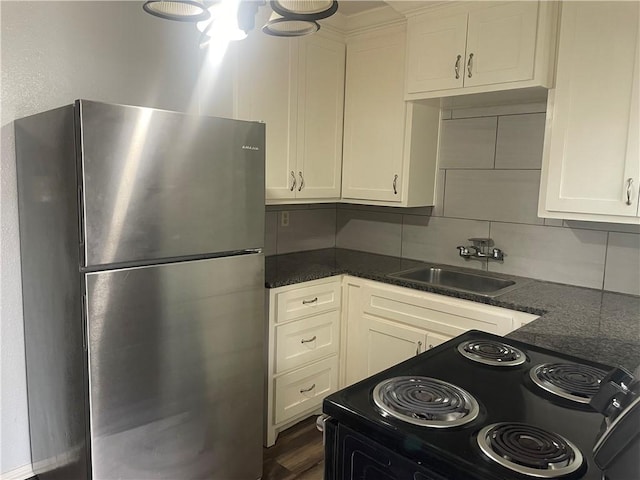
(304, 389)
(306, 340)
(305, 301)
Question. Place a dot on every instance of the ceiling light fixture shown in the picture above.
(180, 10)
(304, 10)
(280, 26)
(223, 23)
(232, 19)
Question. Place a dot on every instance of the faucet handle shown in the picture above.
(463, 251)
(497, 254)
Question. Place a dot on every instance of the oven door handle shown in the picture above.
(321, 420)
(320, 425)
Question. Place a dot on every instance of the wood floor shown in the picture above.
(298, 454)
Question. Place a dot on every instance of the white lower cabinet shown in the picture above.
(306, 340)
(327, 334)
(389, 343)
(303, 389)
(387, 324)
(302, 357)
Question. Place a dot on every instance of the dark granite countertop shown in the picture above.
(592, 324)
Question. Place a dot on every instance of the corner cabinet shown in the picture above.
(329, 333)
(302, 358)
(390, 146)
(296, 86)
(591, 162)
(386, 324)
(481, 47)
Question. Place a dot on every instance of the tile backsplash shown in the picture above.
(487, 185)
(310, 227)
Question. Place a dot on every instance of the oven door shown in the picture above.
(353, 456)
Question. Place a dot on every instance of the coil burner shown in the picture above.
(572, 381)
(529, 450)
(425, 401)
(491, 352)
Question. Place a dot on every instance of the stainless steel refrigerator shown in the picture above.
(141, 237)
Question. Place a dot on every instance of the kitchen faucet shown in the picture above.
(480, 249)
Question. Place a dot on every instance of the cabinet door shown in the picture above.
(501, 42)
(435, 339)
(436, 52)
(320, 114)
(592, 142)
(267, 91)
(374, 117)
(389, 343)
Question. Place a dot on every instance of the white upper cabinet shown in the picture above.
(320, 114)
(390, 146)
(436, 52)
(481, 47)
(296, 86)
(267, 92)
(591, 163)
(501, 43)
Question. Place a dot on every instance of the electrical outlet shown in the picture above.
(284, 219)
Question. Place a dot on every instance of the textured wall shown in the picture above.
(51, 54)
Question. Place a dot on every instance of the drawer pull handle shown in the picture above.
(307, 302)
(457, 67)
(305, 390)
(470, 65)
(312, 339)
(418, 348)
(629, 183)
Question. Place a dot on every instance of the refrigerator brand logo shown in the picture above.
(249, 147)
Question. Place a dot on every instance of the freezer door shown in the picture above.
(176, 370)
(159, 184)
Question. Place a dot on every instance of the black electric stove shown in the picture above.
(478, 407)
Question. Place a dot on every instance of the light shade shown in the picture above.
(305, 10)
(279, 26)
(180, 10)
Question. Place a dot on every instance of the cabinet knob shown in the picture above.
(629, 184)
(457, 67)
(470, 65)
(293, 185)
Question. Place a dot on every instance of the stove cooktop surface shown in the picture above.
(504, 396)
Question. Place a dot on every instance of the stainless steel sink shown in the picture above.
(466, 282)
